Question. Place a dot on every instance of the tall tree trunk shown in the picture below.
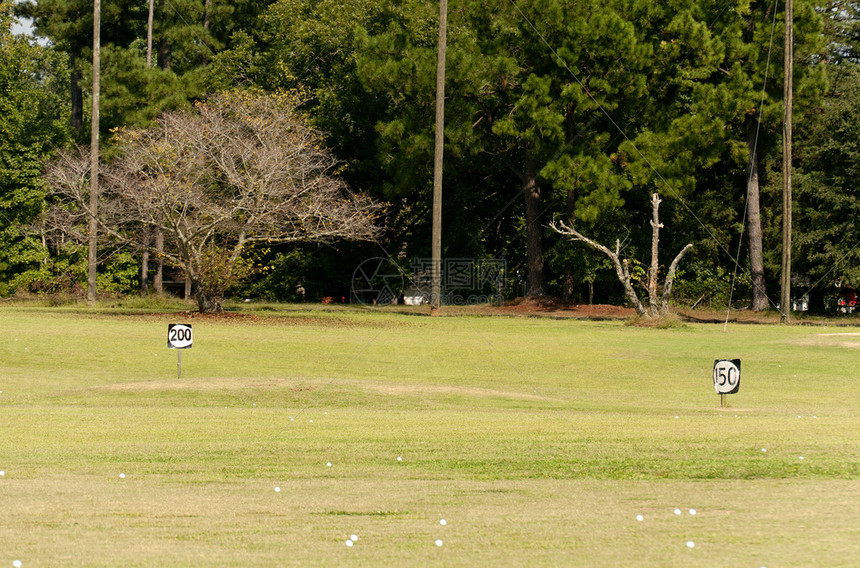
(534, 249)
(149, 34)
(158, 279)
(653, 302)
(144, 261)
(77, 96)
(754, 231)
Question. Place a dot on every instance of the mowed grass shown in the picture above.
(539, 441)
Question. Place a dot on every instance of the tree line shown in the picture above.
(556, 111)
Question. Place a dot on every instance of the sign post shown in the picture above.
(179, 337)
(727, 378)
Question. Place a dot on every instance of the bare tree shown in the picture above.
(238, 169)
(658, 304)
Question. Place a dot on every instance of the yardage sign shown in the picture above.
(727, 376)
(179, 336)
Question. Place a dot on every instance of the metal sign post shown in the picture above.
(727, 378)
(179, 337)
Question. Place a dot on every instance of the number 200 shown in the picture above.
(180, 334)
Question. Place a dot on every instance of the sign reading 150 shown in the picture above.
(727, 376)
(179, 336)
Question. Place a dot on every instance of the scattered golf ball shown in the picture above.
(676, 417)
(800, 457)
(310, 421)
(291, 418)
(640, 518)
(677, 511)
(400, 459)
(349, 542)
(122, 476)
(2, 473)
(764, 449)
(692, 511)
(328, 464)
(443, 522)
(438, 542)
(17, 564)
(354, 538)
(277, 489)
(691, 544)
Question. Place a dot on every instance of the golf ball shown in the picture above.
(443, 522)
(122, 476)
(801, 457)
(277, 489)
(677, 511)
(349, 542)
(354, 538)
(399, 458)
(764, 449)
(328, 464)
(640, 518)
(690, 544)
(692, 511)
(2, 473)
(17, 564)
(438, 542)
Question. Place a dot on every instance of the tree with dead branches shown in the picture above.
(658, 304)
(239, 169)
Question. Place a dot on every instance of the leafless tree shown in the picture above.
(658, 304)
(239, 169)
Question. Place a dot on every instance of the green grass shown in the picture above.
(538, 440)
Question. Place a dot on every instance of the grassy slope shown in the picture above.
(538, 440)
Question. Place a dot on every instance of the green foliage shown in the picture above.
(33, 118)
(827, 191)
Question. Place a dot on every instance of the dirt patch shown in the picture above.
(401, 389)
(548, 307)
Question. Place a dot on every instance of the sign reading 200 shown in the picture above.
(179, 336)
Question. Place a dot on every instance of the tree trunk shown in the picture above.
(653, 302)
(77, 96)
(754, 230)
(207, 303)
(149, 34)
(158, 279)
(189, 287)
(144, 261)
(534, 249)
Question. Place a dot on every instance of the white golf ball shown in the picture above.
(310, 421)
(17, 564)
(277, 489)
(677, 511)
(690, 544)
(692, 511)
(764, 449)
(800, 457)
(328, 464)
(443, 522)
(2, 473)
(349, 542)
(122, 476)
(399, 459)
(354, 538)
(640, 518)
(438, 542)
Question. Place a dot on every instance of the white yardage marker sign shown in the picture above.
(727, 376)
(179, 336)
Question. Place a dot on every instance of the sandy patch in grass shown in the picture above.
(296, 385)
(400, 389)
(849, 340)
